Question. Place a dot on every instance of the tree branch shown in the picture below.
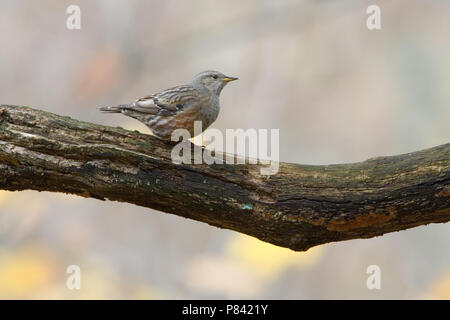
(300, 207)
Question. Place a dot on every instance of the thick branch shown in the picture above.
(300, 207)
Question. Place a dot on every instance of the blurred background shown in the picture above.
(337, 91)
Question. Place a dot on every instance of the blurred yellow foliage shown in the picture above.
(32, 272)
(4, 196)
(23, 271)
(441, 288)
(269, 260)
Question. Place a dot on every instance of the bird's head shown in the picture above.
(214, 81)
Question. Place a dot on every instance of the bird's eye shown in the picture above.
(214, 76)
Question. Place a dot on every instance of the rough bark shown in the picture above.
(300, 207)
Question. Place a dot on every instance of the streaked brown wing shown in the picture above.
(167, 102)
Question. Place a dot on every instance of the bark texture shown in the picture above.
(300, 207)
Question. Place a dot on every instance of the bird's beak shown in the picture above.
(228, 79)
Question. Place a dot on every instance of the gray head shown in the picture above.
(214, 81)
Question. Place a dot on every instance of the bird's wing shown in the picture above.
(167, 102)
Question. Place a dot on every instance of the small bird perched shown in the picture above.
(178, 107)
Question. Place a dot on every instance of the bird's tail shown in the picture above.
(116, 109)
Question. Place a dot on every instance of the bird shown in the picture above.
(178, 107)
